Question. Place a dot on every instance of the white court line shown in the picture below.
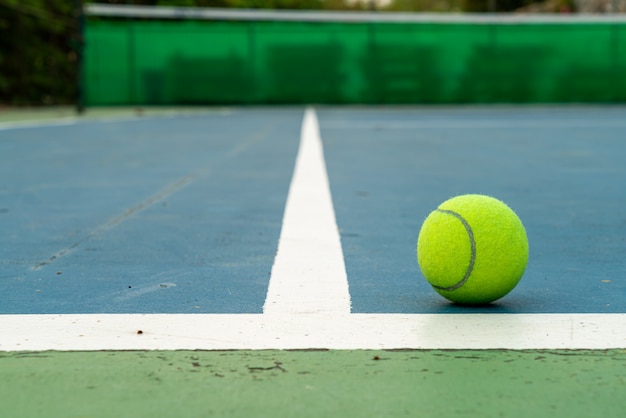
(480, 124)
(305, 331)
(103, 118)
(308, 303)
(67, 121)
(309, 276)
(4, 126)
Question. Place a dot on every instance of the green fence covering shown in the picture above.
(255, 62)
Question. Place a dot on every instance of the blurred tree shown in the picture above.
(494, 5)
(425, 5)
(193, 3)
(37, 60)
(249, 4)
(278, 4)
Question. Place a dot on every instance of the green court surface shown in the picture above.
(313, 384)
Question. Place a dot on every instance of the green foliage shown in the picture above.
(192, 3)
(277, 4)
(248, 4)
(425, 5)
(37, 60)
(494, 5)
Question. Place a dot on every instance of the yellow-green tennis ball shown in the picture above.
(472, 249)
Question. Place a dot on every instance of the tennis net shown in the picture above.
(167, 56)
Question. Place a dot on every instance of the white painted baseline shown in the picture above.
(353, 331)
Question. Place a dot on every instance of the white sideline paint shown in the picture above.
(305, 331)
(308, 303)
(309, 275)
(37, 123)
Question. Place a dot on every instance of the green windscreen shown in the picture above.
(177, 62)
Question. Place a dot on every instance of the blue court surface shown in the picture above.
(144, 215)
(561, 169)
(183, 214)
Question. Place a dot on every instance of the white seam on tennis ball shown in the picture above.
(470, 235)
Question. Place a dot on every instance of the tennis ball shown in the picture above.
(472, 249)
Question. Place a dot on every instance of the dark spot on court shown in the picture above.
(34, 354)
(4, 210)
(277, 366)
(139, 332)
